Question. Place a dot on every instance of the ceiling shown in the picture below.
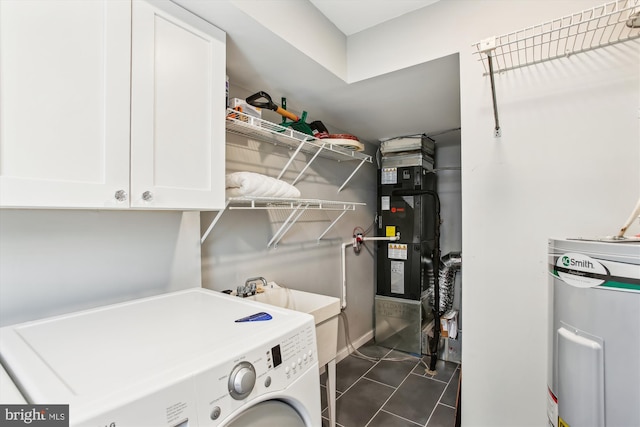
(421, 99)
(352, 16)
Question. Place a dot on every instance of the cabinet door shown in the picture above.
(177, 109)
(64, 103)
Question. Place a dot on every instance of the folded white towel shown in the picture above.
(254, 184)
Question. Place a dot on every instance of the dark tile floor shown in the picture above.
(392, 394)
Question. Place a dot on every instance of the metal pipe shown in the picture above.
(343, 263)
(344, 276)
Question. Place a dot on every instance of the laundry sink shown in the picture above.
(324, 309)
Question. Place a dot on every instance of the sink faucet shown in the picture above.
(249, 287)
(254, 279)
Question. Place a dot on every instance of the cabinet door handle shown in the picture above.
(120, 195)
(147, 196)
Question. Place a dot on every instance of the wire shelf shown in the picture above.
(604, 25)
(296, 206)
(263, 130)
(283, 203)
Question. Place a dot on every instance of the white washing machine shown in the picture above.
(189, 358)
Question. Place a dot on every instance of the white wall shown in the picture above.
(568, 164)
(302, 25)
(59, 261)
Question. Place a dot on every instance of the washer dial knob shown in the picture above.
(241, 380)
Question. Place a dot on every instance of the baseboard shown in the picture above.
(344, 352)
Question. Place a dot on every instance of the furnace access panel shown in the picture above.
(406, 205)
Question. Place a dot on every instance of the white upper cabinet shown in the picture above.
(109, 104)
(177, 109)
(64, 102)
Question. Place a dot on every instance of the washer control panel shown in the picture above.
(263, 370)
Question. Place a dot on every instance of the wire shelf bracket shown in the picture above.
(605, 25)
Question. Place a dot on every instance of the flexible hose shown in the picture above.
(450, 265)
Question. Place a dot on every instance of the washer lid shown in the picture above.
(136, 345)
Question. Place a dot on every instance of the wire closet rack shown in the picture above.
(296, 206)
(600, 26)
(252, 127)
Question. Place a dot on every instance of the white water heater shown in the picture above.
(594, 333)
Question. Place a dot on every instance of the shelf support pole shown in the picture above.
(293, 156)
(497, 132)
(213, 223)
(309, 163)
(291, 224)
(352, 174)
(331, 225)
(297, 212)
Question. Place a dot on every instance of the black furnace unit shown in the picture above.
(408, 206)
